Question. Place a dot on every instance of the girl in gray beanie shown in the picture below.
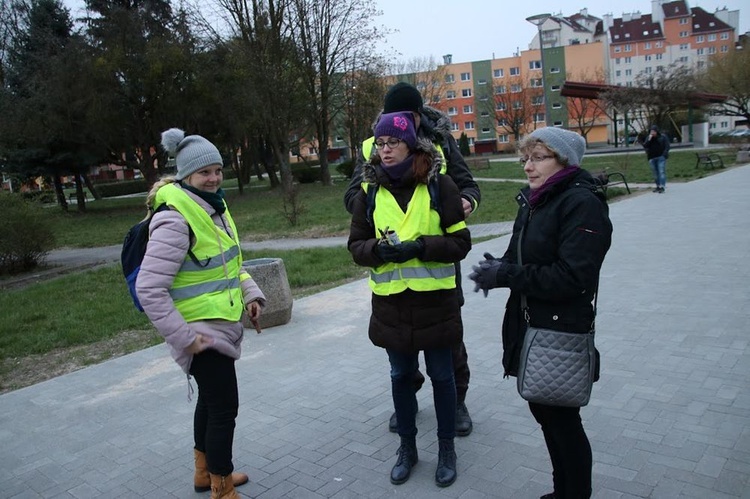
(194, 289)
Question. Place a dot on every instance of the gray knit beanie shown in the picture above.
(191, 153)
(569, 146)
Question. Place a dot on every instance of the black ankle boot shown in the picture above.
(407, 458)
(446, 468)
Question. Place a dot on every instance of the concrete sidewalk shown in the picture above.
(670, 417)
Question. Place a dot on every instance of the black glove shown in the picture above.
(485, 274)
(399, 253)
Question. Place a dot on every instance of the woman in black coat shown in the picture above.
(415, 305)
(567, 234)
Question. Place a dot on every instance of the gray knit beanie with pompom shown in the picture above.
(191, 153)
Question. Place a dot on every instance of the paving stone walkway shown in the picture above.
(669, 418)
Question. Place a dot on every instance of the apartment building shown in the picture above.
(580, 47)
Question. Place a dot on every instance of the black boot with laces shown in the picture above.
(445, 474)
(407, 458)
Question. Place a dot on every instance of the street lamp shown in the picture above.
(538, 20)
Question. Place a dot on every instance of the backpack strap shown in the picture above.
(191, 234)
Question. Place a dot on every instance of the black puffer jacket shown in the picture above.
(566, 238)
(436, 127)
(411, 321)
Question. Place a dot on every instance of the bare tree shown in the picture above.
(425, 74)
(332, 36)
(516, 106)
(729, 74)
(362, 93)
(586, 113)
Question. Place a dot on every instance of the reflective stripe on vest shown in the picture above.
(368, 144)
(212, 289)
(419, 220)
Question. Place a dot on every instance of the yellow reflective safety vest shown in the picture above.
(419, 220)
(203, 289)
(368, 144)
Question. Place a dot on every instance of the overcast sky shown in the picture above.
(474, 30)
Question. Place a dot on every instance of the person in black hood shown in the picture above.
(566, 237)
(657, 152)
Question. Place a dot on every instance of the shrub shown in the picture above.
(46, 196)
(121, 188)
(346, 168)
(25, 234)
(305, 174)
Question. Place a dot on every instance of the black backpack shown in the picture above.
(133, 250)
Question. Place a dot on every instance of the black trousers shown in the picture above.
(569, 449)
(216, 409)
(461, 373)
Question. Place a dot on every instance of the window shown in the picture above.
(497, 73)
(554, 70)
(501, 106)
(435, 99)
(683, 20)
(466, 92)
(617, 60)
(628, 72)
(537, 100)
(449, 78)
(339, 138)
(500, 89)
(555, 88)
(502, 122)
(539, 117)
(468, 125)
(618, 49)
(647, 57)
(647, 70)
(699, 39)
(481, 82)
(454, 127)
(517, 104)
(699, 52)
(515, 71)
(725, 36)
(452, 111)
(684, 34)
(450, 94)
(485, 130)
(465, 76)
(683, 59)
(515, 88)
(471, 141)
(659, 44)
(659, 57)
(421, 86)
(468, 110)
(711, 50)
(700, 64)
(660, 69)
(556, 105)
(628, 60)
(628, 48)
(724, 48)
(617, 73)
(557, 123)
(684, 46)
(484, 98)
(504, 138)
(647, 45)
(712, 37)
(535, 64)
(484, 114)
(536, 82)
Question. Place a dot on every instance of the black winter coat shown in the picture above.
(411, 321)
(566, 238)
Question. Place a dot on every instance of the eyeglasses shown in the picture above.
(534, 159)
(392, 143)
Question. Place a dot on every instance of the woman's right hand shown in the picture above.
(200, 344)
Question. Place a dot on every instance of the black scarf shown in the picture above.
(215, 199)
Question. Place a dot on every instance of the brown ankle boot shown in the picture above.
(222, 487)
(202, 481)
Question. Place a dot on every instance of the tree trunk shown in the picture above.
(59, 192)
(91, 187)
(80, 195)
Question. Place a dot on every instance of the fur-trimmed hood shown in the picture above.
(374, 174)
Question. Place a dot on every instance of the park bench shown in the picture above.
(604, 180)
(73, 196)
(708, 159)
(476, 164)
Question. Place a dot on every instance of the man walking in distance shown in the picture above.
(657, 152)
(434, 125)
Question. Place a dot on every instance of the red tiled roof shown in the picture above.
(703, 22)
(635, 30)
(675, 9)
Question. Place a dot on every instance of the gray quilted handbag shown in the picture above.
(556, 368)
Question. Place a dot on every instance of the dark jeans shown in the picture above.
(461, 373)
(440, 371)
(215, 410)
(569, 449)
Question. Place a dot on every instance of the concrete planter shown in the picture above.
(270, 275)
